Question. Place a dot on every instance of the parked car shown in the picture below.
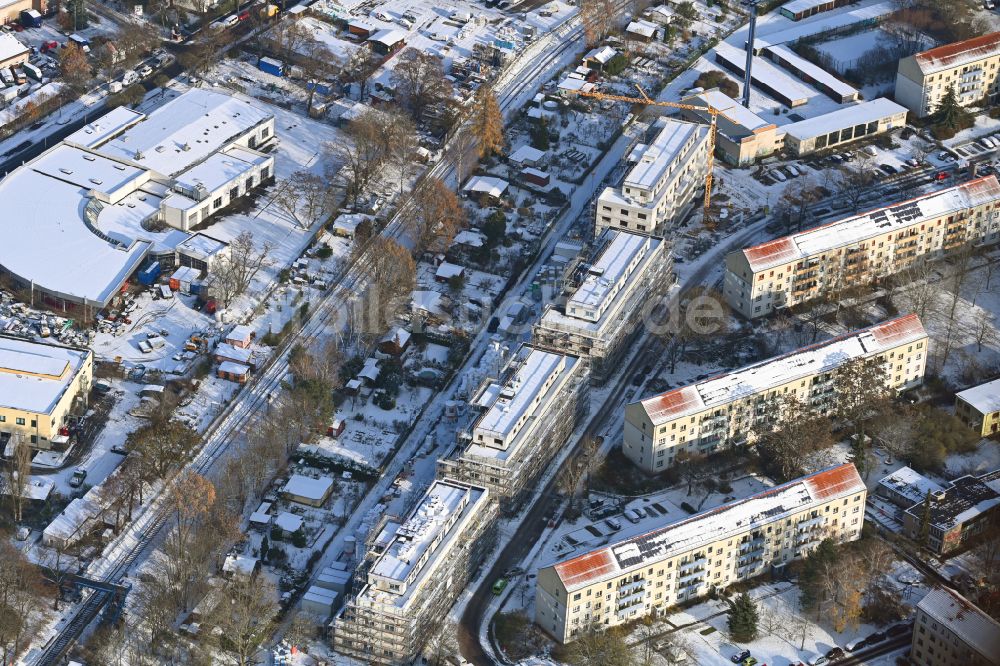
(942, 175)
(889, 169)
(835, 653)
(79, 475)
(145, 71)
(737, 658)
(777, 175)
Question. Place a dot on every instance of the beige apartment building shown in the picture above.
(629, 579)
(665, 177)
(861, 249)
(979, 407)
(969, 67)
(39, 386)
(416, 568)
(949, 630)
(527, 414)
(729, 409)
(600, 312)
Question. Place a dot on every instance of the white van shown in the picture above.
(130, 77)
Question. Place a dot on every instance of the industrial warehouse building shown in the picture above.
(414, 570)
(970, 68)
(979, 407)
(842, 126)
(94, 196)
(40, 385)
(629, 579)
(605, 300)
(528, 414)
(664, 179)
(861, 249)
(949, 630)
(726, 410)
(769, 78)
(797, 10)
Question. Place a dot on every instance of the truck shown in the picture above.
(32, 71)
(6, 76)
(271, 66)
(130, 77)
(30, 18)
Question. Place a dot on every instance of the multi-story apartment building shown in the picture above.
(415, 570)
(861, 249)
(949, 630)
(668, 173)
(969, 67)
(629, 579)
(945, 519)
(979, 407)
(605, 300)
(528, 413)
(730, 409)
(39, 386)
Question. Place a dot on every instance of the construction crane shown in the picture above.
(713, 126)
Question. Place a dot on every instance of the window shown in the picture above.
(264, 173)
(264, 133)
(217, 203)
(34, 423)
(249, 184)
(234, 193)
(3, 419)
(19, 421)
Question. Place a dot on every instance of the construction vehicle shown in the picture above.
(645, 99)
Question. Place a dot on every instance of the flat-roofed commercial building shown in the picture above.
(949, 630)
(843, 126)
(979, 407)
(957, 514)
(605, 303)
(797, 10)
(528, 413)
(969, 68)
(814, 75)
(668, 173)
(629, 579)
(741, 135)
(861, 249)
(416, 568)
(765, 76)
(726, 410)
(81, 218)
(39, 387)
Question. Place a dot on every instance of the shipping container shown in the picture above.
(148, 275)
(30, 18)
(271, 66)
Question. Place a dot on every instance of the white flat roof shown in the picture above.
(643, 28)
(985, 397)
(34, 377)
(610, 272)
(766, 374)
(10, 47)
(519, 395)
(389, 37)
(115, 121)
(308, 487)
(233, 368)
(766, 73)
(859, 114)
(661, 153)
(733, 111)
(219, 169)
(963, 618)
(203, 120)
(872, 223)
(826, 22)
(526, 153)
(201, 246)
(816, 72)
(709, 526)
(910, 484)
(796, 6)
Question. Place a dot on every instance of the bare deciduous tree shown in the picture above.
(306, 197)
(232, 273)
(419, 82)
(245, 613)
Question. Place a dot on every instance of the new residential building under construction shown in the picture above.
(725, 410)
(414, 569)
(606, 300)
(528, 414)
(631, 578)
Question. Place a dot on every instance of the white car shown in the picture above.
(777, 175)
(145, 71)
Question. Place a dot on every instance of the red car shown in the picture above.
(942, 175)
(244, 15)
(49, 46)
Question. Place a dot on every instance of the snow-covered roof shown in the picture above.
(519, 397)
(602, 54)
(308, 487)
(796, 6)
(959, 53)
(347, 223)
(398, 335)
(240, 332)
(823, 357)
(873, 223)
(288, 522)
(112, 123)
(642, 28)
(766, 73)
(864, 13)
(234, 368)
(447, 270)
(814, 72)
(469, 237)
(240, 564)
(232, 353)
(575, 84)
(732, 111)
(911, 484)
(66, 525)
(526, 153)
(429, 301)
(710, 526)
(33, 376)
(858, 114)
(201, 246)
(185, 274)
(219, 169)
(614, 267)
(495, 187)
(435, 525)
(389, 37)
(661, 154)
(186, 130)
(964, 619)
(262, 515)
(10, 47)
(985, 398)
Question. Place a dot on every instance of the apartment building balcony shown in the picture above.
(697, 563)
(806, 523)
(628, 588)
(748, 568)
(629, 600)
(807, 539)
